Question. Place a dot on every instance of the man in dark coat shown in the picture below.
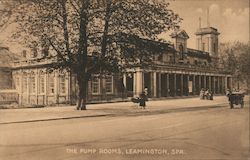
(143, 99)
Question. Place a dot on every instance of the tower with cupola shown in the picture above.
(207, 39)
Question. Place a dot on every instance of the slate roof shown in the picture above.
(161, 46)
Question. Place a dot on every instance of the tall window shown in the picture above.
(109, 84)
(32, 84)
(24, 54)
(171, 59)
(34, 53)
(160, 57)
(45, 52)
(203, 46)
(208, 47)
(96, 85)
(25, 84)
(17, 82)
(195, 62)
(42, 83)
(199, 43)
(214, 47)
(51, 84)
(181, 51)
(62, 88)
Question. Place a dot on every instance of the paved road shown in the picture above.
(213, 133)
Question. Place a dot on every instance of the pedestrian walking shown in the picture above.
(143, 100)
(202, 93)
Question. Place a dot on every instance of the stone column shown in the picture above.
(154, 84)
(28, 87)
(45, 99)
(214, 85)
(37, 84)
(134, 84)
(209, 81)
(125, 81)
(159, 84)
(218, 85)
(69, 87)
(199, 88)
(181, 89)
(194, 85)
(56, 87)
(226, 86)
(187, 89)
(138, 83)
(231, 83)
(21, 88)
(222, 85)
(174, 93)
(205, 82)
(167, 85)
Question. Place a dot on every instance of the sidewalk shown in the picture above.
(8, 116)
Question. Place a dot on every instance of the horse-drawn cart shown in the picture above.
(236, 98)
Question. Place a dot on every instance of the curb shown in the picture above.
(54, 119)
(174, 110)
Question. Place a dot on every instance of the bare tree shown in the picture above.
(93, 36)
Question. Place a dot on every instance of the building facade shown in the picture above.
(178, 71)
(8, 94)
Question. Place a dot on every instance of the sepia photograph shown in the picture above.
(124, 80)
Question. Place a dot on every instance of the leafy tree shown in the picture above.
(235, 58)
(92, 36)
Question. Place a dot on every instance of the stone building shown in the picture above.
(6, 57)
(8, 94)
(178, 71)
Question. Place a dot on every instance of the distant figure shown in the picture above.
(202, 93)
(146, 93)
(206, 93)
(209, 94)
(228, 93)
(143, 100)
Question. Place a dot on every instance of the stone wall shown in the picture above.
(5, 79)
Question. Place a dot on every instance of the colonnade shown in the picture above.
(176, 83)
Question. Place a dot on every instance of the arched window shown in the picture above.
(35, 53)
(181, 51)
(24, 54)
(195, 62)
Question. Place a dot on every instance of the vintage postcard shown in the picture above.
(124, 79)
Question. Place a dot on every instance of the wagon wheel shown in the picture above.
(231, 105)
(242, 104)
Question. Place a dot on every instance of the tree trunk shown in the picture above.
(82, 95)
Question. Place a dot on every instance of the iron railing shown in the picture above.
(8, 96)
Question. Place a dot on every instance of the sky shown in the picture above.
(230, 17)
